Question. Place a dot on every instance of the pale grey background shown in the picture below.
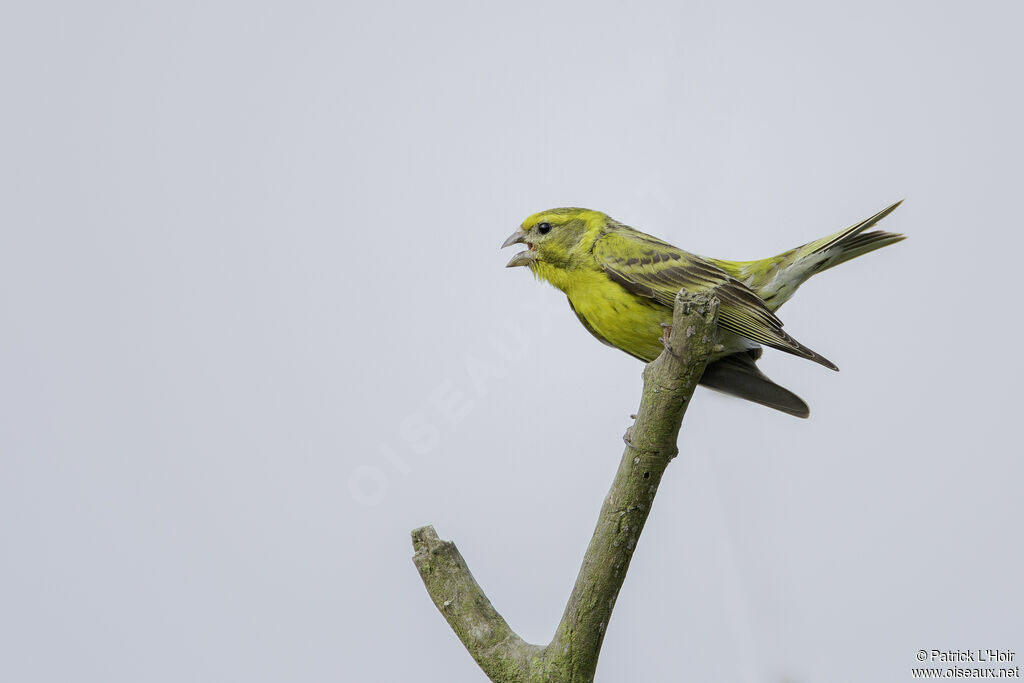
(256, 328)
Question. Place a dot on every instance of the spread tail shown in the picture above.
(776, 279)
(844, 245)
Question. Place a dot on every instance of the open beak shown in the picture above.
(523, 258)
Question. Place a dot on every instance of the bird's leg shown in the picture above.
(666, 335)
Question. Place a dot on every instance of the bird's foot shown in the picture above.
(666, 336)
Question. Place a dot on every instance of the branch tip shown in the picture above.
(425, 539)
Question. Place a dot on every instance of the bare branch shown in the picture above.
(669, 382)
(459, 598)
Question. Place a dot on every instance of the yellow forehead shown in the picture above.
(562, 216)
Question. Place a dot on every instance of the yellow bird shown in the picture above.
(622, 283)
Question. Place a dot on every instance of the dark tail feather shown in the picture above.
(737, 375)
(862, 244)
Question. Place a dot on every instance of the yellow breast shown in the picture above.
(624, 320)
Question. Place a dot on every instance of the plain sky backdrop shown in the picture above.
(256, 327)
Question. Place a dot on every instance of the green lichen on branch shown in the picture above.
(669, 382)
(459, 598)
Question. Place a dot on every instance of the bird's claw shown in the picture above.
(666, 336)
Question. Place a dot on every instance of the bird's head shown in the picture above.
(556, 237)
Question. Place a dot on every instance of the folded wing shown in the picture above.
(649, 267)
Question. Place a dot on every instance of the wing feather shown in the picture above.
(648, 267)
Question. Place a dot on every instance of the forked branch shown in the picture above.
(669, 382)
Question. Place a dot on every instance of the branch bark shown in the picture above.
(669, 382)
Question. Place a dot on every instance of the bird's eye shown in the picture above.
(543, 228)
